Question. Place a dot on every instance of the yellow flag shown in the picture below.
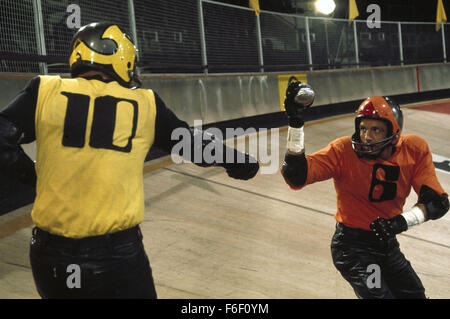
(352, 10)
(440, 15)
(255, 5)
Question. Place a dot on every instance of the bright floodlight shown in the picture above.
(325, 6)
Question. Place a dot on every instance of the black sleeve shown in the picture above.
(295, 169)
(21, 111)
(166, 122)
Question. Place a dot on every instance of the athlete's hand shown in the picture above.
(299, 96)
(243, 171)
(386, 229)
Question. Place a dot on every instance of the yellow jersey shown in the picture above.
(92, 139)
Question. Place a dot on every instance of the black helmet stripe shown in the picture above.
(91, 36)
(114, 55)
(395, 108)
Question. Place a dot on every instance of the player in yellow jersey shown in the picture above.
(93, 133)
(373, 173)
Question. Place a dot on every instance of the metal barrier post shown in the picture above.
(308, 43)
(202, 36)
(400, 42)
(40, 37)
(355, 36)
(325, 21)
(259, 39)
(132, 19)
(444, 51)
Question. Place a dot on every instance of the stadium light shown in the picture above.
(325, 6)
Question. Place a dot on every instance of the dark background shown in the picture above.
(391, 10)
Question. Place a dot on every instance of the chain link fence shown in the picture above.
(284, 44)
(16, 36)
(204, 36)
(168, 36)
(58, 34)
(379, 46)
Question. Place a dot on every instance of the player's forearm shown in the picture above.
(415, 216)
(295, 141)
(294, 167)
(431, 205)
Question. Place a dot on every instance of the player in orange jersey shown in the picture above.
(373, 172)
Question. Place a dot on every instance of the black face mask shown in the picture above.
(374, 153)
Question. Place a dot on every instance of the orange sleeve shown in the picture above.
(326, 163)
(424, 171)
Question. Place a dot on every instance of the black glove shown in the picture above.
(386, 229)
(244, 171)
(294, 109)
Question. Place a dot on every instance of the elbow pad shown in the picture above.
(435, 204)
(295, 169)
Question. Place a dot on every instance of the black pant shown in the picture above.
(108, 266)
(360, 258)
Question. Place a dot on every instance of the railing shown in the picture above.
(203, 36)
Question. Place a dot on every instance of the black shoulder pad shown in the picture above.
(436, 205)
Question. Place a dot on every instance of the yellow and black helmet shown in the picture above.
(104, 47)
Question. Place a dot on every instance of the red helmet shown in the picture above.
(383, 109)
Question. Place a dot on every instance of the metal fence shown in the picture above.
(203, 36)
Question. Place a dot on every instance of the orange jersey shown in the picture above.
(367, 189)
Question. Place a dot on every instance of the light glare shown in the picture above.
(325, 6)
